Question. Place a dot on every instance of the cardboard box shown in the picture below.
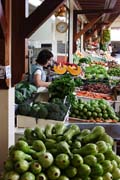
(25, 121)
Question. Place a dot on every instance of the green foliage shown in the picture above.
(115, 71)
(19, 98)
(23, 91)
(78, 82)
(62, 86)
(86, 60)
(106, 35)
(24, 109)
(96, 71)
(39, 110)
(76, 58)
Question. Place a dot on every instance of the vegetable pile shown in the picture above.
(93, 110)
(96, 71)
(97, 87)
(62, 86)
(62, 152)
(115, 71)
(23, 91)
(93, 95)
(54, 110)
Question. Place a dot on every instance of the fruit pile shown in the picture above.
(97, 87)
(96, 71)
(93, 109)
(115, 71)
(62, 152)
(93, 95)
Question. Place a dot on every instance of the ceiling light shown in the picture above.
(35, 2)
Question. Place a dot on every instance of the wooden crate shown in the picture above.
(43, 122)
(25, 121)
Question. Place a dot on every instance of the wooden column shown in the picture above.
(4, 38)
(18, 40)
(71, 33)
(6, 92)
(74, 30)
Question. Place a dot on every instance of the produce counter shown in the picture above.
(112, 129)
(59, 149)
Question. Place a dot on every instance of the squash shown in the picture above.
(74, 70)
(60, 69)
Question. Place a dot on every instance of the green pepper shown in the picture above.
(48, 131)
(70, 171)
(41, 176)
(21, 166)
(23, 146)
(84, 171)
(96, 132)
(96, 170)
(116, 173)
(107, 166)
(39, 146)
(63, 177)
(100, 157)
(11, 175)
(50, 143)
(39, 133)
(76, 160)
(62, 161)
(53, 172)
(27, 176)
(9, 165)
(107, 176)
(90, 160)
(35, 167)
(45, 159)
(70, 132)
(59, 128)
(108, 139)
(89, 148)
(102, 146)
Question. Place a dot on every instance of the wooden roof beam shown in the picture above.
(96, 11)
(40, 15)
(98, 27)
(87, 27)
(3, 19)
(109, 4)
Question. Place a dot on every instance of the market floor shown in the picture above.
(118, 58)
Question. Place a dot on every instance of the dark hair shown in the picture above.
(44, 56)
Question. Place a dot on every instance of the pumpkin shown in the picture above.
(60, 69)
(74, 70)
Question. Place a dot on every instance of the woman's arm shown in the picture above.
(40, 83)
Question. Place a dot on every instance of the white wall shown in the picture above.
(47, 34)
(44, 33)
(116, 23)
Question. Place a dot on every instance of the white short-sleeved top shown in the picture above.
(38, 71)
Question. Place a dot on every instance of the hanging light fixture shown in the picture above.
(61, 11)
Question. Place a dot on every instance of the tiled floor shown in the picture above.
(118, 58)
